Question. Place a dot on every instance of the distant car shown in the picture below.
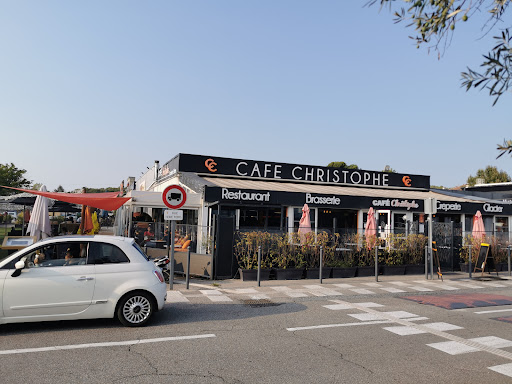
(80, 277)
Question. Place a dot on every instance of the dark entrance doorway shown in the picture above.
(340, 221)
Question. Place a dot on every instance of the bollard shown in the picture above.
(321, 262)
(188, 267)
(508, 251)
(259, 266)
(376, 263)
(426, 262)
(469, 261)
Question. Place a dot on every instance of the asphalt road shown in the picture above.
(261, 338)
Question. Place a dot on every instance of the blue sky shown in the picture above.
(93, 92)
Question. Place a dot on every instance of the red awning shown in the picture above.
(107, 200)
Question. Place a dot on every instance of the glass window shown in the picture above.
(140, 250)
(58, 254)
(103, 253)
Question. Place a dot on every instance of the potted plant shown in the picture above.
(246, 251)
(499, 253)
(392, 263)
(291, 261)
(323, 242)
(415, 255)
(471, 245)
(342, 259)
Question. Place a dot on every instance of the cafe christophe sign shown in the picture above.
(221, 166)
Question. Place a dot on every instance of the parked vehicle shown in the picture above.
(80, 277)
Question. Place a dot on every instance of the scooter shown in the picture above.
(162, 264)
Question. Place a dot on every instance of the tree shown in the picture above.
(59, 189)
(36, 186)
(489, 175)
(434, 23)
(388, 168)
(10, 176)
(342, 164)
(101, 190)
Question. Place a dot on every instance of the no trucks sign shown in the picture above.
(174, 196)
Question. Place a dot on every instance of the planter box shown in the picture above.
(392, 269)
(464, 267)
(252, 274)
(414, 269)
(502, 267)
(289, 274)
(343, 272)
(366, 271)
(314, 273)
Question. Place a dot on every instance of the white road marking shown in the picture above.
(382, 315)
(403, 330)
(218, 298)
(493, 341)
(373, 285)
(337, 325)
(440, 326)
(320, 289)
(497, 285)
(343, 305)
(421, 289)
(393, 290)
(495, 311)
(400, 283)
(344, 286)
(504, 369)
(211, 293)
(245, 290)
(337, 307)
(280, 289)
(296, 294)
(176, 297)
(456, 344)
(107, 344)
(467, 285)
(363, 291)
(453, 347)
(260, 297)
(448, 287)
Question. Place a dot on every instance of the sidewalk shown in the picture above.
(236, 289)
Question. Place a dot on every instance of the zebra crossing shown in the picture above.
(410, 324)
(304, 290)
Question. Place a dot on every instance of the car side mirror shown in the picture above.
(19, 266)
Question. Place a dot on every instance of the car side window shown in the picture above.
(56, 255)
(104, 253)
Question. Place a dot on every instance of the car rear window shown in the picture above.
(104, 253)
(140, 250)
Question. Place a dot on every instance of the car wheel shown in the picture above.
(135, 309)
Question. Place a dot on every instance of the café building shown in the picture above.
(241, 194)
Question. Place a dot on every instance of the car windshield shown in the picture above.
(140, 250)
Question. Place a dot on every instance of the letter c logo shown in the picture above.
(407, 181)
(210, 164)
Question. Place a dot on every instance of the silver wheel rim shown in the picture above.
(136, 309)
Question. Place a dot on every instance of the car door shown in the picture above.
(112, 270)
(54, 286)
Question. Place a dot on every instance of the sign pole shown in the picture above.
(168, 242)
(174, 197)
(171, 264)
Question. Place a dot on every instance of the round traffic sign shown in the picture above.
(174, 196)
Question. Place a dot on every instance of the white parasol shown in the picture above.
(39, 224)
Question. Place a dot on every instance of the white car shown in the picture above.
(80, 277)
